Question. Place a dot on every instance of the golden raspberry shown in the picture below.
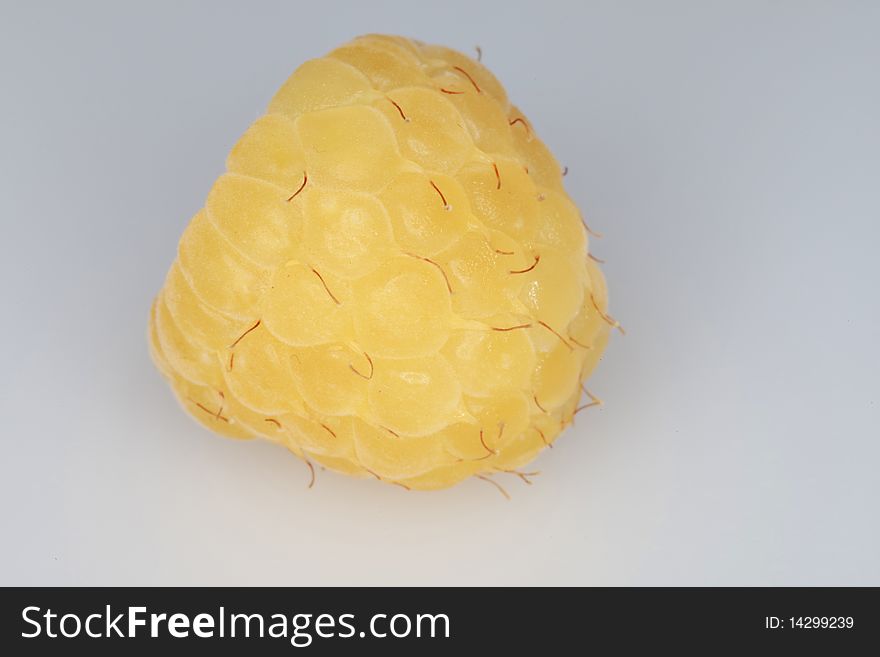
(390, 279)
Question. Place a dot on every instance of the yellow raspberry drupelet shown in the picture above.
(390, 279)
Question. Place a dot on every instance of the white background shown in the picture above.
(730, 153)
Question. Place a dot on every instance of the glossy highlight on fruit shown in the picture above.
(390, 279)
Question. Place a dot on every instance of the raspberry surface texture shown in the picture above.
(390, 279)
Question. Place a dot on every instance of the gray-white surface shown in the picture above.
(729, 151)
